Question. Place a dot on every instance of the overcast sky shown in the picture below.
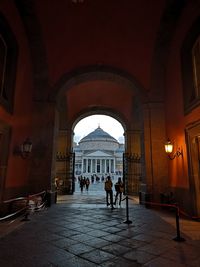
(108, 124)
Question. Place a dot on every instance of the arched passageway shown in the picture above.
(93, 91)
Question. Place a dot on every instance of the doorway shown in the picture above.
(193, 140)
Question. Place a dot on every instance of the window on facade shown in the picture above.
(193, 145)
(196, 68)
(103, 165)
(93, 166)
(84, 165)
(8, 60)
(89, 165)
(107, 166)
(190, 64)
(98, 166)
(112, 166)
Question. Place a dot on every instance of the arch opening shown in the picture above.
(95, 95)
(98, 146)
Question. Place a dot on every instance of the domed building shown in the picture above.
(98, 153)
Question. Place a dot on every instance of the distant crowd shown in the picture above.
(108, 187)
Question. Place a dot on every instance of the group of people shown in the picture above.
(119, 188)
(108, 186)
(84, 183)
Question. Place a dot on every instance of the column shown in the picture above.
(86, 165)
(100, 165)
(95, 165)
(82, 168)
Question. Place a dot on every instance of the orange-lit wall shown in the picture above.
(20, 120)
(91, 33)
(176, 121)
(100, 94)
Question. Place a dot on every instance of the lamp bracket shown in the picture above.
(178, 153)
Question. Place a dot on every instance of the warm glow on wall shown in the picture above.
(169, 150)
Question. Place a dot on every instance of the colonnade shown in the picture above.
(98, 165)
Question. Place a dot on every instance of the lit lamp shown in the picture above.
(169, 149)
(24, 150)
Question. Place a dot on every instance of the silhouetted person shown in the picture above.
(119, 188)
(87, 183)
(82, 183)
(109, 191)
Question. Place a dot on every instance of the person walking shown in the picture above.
(82, 184)
(109, 192)
(87, 183)
(119, 188)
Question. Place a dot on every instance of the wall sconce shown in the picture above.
(169, 150)
(24, 150)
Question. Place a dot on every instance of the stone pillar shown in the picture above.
(156, 171)
(69, 145)
(43, 152)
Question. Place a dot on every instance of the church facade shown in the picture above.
(98, 154)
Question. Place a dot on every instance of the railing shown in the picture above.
(23, 206)
(14, 207)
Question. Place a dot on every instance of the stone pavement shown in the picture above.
(80, 231)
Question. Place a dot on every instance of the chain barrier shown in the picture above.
(178, 237)
(196, 218)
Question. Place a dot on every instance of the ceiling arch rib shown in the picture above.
(28, 15)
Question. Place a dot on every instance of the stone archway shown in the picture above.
(131, 117)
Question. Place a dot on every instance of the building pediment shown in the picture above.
(98, 153)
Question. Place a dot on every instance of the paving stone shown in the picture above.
(64, 243)
(74, 233)
(98, 233)
(143, 237)
(79, 262)
(116, 249)
(158, 262)
(79, 248)
(139, 256)
(131, 243)
(97, 242)
(113, 238)
(118, 262)
(80, 237)
(98, 256)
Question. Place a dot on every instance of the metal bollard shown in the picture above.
(127, 213)
(178, 238)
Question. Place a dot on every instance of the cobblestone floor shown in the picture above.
(80, 231)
